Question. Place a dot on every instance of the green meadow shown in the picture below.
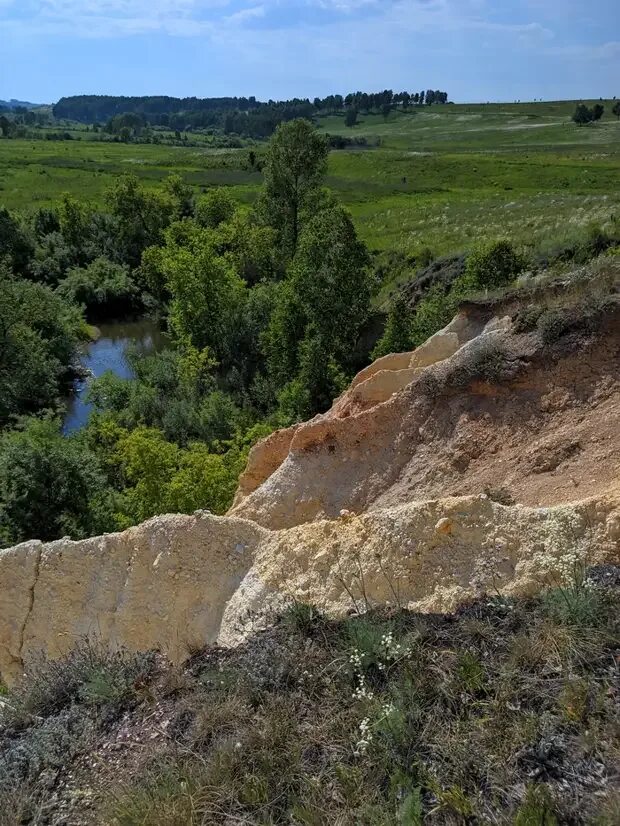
(440, 178)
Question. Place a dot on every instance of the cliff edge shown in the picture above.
(486, 460)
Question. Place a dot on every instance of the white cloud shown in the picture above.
(125, 8)
(244, 15)
(345, 5)
(110, 18)
(601, 51)
(390, 22)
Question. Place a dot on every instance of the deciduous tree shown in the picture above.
(295, 164)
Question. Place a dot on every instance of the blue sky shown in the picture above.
(477, 50)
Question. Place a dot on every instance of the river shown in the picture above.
(109, 352)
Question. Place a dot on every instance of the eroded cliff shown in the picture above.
(470, 465)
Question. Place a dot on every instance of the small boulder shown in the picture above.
(444, 526)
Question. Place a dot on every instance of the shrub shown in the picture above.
(526, 319)
(575, 605)
(104, 288)
(90, 675)
(397, 335)
(557, 322)
(302, 617)
(432, 313)
(492, 264)
(50, 485)
(40, 333)
(487, 361)
(46, 746)
(214, 208)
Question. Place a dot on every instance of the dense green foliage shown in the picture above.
(311, 342)
(295, 164)
(131, 117)
(50, 486)
(396, 337)
(584, 114)
(489, 265)
(214, 208)
(263, 310)
(492, 264)
(350, 117)
(102, 287)
(38, 335)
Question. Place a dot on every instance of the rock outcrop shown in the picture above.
(470, 465)
(164, 583)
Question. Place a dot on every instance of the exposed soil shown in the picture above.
(550, 436)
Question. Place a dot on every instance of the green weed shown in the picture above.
(536, 809)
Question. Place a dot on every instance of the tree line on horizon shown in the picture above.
(238, 115)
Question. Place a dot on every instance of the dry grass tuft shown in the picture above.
(506, 712)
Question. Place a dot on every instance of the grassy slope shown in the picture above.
(526, 171)
(506, 713)
(471, 171)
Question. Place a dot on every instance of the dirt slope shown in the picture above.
(505, 413)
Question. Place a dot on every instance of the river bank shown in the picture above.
(108, 351)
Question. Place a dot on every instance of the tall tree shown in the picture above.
(141, 216)
(15, 245)
(330, 277)
(582, 114)
(295, 164)
(50, 486)
(313, 333)
(38, 338)
(181, 195)
(206, 293)
(215, 207)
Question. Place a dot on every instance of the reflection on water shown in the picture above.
(109, 352)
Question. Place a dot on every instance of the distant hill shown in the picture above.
(16, 104)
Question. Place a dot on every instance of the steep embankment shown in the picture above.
(473, 464)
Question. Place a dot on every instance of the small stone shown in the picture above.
(444, 526)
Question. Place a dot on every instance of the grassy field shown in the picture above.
(442, 177)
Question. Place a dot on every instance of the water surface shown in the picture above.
(109, 352)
